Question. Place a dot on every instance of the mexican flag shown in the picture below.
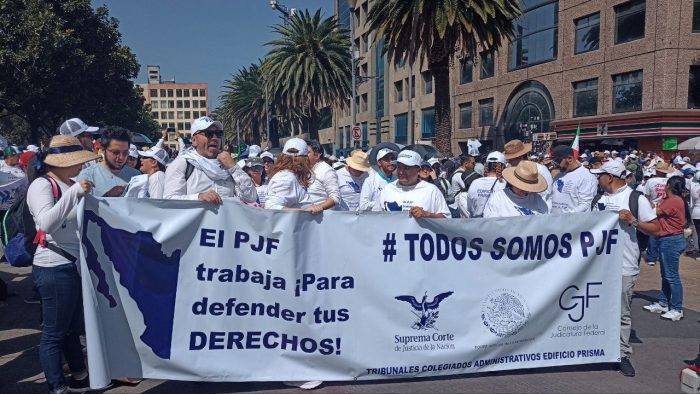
(574, 145)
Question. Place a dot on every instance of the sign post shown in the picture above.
(356, 135)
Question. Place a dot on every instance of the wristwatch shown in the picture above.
(635, 223)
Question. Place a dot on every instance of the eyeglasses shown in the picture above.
(212, 133)
(118, 152)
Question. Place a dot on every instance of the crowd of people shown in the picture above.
(658, 202)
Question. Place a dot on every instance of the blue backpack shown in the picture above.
(19, 229)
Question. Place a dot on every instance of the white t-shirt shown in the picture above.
(547, 194)
(479, 193)
(573, 191)
(324, 185)
(616, 202)
(396, 197)
(505, 203)
(655, 189)
(350, 189)
(372, 188)
(262, 193)
(695, 200)
(285, 191)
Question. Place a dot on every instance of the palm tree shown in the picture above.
(439, 30)
(243, 103)
(309, 66)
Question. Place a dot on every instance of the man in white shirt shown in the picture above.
(616, 198)
(378, 179)
(574, 187)
(350, 180)
(204, 172)
(408, 193)
(515, 151)
(324, 190)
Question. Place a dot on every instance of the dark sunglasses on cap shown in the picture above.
(212, 133)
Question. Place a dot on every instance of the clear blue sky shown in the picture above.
(200, 40)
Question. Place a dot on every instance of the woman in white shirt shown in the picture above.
(520, 197)
(290, 178)
(472, 202)
(255, 168)
(55, 273)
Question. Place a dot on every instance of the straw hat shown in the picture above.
(664, 168)
(66, 151)
(525, 177)
(515, 148)
(358, 160)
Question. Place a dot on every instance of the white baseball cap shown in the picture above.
(433, 161)
(297, 144)
(496, 157)
(607, 152)
(614, 152)
(612, 167)
(157, 154)
(686, 159)
(203, 123)
(254, 150)
(74, 127)
(382, 152)
(678, 160)
(409, 158)
(33, 148)
(632, 155)
(268, 155)
(133, 151)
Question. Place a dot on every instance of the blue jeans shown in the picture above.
(652, 250)
(670, 248)
(61, 306)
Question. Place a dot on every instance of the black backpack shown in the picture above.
(19, 229)
(633, 202)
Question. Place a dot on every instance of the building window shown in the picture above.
(186, 93)
(629, 21)
(195, 93)
(195, 103)
(365, 43)
(348, 137)
(586, 98)
(171, 103)
(155, 115)
(466, 71)
(587, 33)
(696, 16)
(535, 35)
(170, 93)
(365, 136)
(413, 86)
(154, 104)
(694, 87)
(154, 92)
(401, 129)
(163, 104)
(202, 103)
(465, 115)
(180, 115)
(171, 115)
(163, 125)
(428, 123)
(180, 126)
(164, 115)
(627, 91)
(188, 125)
(179, 104)
(340, 138)
(171, 125)
(398, 91)
(202, 93)
(187, 115)
(427, 82)
(187, 103)
(487, 65)
(178, 92)
(162, 93)
(486, 112)
(379, 102)
(364, 103)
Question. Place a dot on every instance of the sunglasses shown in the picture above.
(212, 133)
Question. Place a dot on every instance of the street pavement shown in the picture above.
(661, 350)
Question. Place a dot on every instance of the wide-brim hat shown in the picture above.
(516, 148)
(358, 160)
(66, 151)
(664, 168)
(525, 177)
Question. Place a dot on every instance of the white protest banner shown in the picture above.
(12, 187)
(190, 291)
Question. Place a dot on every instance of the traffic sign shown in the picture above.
(356, 133)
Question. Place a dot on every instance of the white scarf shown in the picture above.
(211, 167)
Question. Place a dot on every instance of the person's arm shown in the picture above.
(586, 192)
(243, 185)
(330, 185)
(47, 216)
(366, 200)
(418, 213)
(175, 184)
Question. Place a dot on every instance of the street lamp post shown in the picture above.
(353, 105)
(267, 112)
(286, 12)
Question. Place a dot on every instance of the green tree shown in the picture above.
(62, 59)
(439, 30)
(243, 103)
(309, 66)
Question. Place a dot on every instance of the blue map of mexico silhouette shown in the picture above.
(145, 271)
